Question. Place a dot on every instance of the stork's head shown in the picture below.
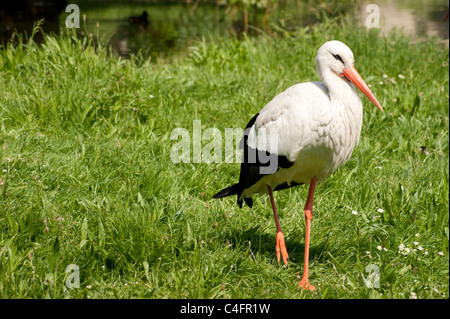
(334, 57)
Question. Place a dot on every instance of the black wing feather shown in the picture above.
(251, 168)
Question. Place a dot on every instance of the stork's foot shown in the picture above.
(281, 248)
(304, 284)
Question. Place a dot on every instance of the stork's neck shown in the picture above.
(346, 107)
(342, 91)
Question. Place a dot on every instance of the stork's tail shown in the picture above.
(235, 189)
(228, 191)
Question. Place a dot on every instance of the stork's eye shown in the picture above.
(338, 57)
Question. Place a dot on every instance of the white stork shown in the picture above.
(303, 135)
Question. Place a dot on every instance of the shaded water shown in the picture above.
(167, 29)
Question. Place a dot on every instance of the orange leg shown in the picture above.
(304, 283)
(280, 246)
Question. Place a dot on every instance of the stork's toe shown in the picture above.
(281, 248)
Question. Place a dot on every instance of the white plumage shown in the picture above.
(309, 130)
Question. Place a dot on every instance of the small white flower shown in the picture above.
(413, 295)
(417, 235)
(401, 247)
(420, 248)
(401, 76)
(441, 253)
(407, 250)
(380, 210)
(426, 252)
(354, 212)
(416, 243)
(4, 171)
(379, 247)
(89, 286)
(385, 249)
(385, 76)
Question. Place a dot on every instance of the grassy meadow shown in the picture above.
(86, 176)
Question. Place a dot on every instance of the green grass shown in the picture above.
(86, 176)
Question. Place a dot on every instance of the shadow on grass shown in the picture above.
(263, 243)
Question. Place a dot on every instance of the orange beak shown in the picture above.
(353, 76)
